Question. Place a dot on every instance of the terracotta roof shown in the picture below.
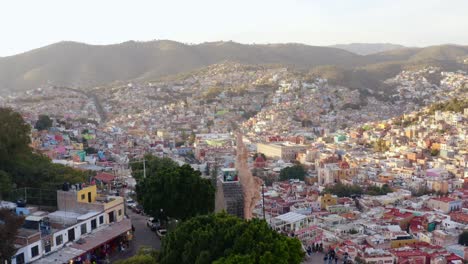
(105, 177)
(444, 199)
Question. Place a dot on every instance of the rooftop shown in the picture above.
(291, 217)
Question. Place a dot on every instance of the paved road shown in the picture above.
(315, 258)
(143, 236)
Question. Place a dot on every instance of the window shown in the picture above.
(20, 258)
(58, 240)
(120, 212)
(47, 246)
(35, 251)
(93, 224)
(83, 197)
(83, 229)
(101, 220)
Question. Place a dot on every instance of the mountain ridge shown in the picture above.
(77, 64)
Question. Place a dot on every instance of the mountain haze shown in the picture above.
(83, 65)
(367, 48)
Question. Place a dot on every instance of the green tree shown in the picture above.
(170, 190)
(191, 138)
(24, 167)
(43, 123)
(294, 172)
(5, 184)
(342, 190)
(214, 175)
(463, 238)
(380, 146)
(9, 225)
(90, 150)
(257, 154)
(14, 135)
(145, 255)
(222, 238)
(434, 152)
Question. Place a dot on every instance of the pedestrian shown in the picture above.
(133, 228)
(336, 259)
(325, 259)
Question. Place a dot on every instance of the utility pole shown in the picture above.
(263, 199)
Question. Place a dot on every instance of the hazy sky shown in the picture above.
(25, 25)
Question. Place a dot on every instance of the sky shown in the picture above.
(29, 24)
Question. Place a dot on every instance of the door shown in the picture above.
(111, 217)
(89, 197)
(71, 234)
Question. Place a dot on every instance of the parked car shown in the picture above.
(153, 223)
(161, 232)
(138, 209)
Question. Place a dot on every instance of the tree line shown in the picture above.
(20, 165)
(343, 190)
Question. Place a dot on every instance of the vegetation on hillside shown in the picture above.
(155, 59)
(455, 105)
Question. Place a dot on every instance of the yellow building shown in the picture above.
(87, 194)
(87, 199)
(328, 200)
(402, 242)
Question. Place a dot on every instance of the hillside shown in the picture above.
(368, 48)
(77, 64)
(81, 65)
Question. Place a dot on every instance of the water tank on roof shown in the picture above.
(21, 203)
(65, 187)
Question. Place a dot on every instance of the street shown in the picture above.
(143, 236)
(315, 258)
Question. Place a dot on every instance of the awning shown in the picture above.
(104, 235)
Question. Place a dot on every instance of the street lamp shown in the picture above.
(161, 215)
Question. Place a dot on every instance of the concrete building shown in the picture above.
(445, 204)
(281, 150)
(85, 221)
(229, 194)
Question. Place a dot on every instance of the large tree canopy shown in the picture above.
(222, 238)
(43, 123)
(294, 172)
(20, 165)
(14, 134)
(463, 238)
(178, 190)
(9, 225)
(342, 190)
